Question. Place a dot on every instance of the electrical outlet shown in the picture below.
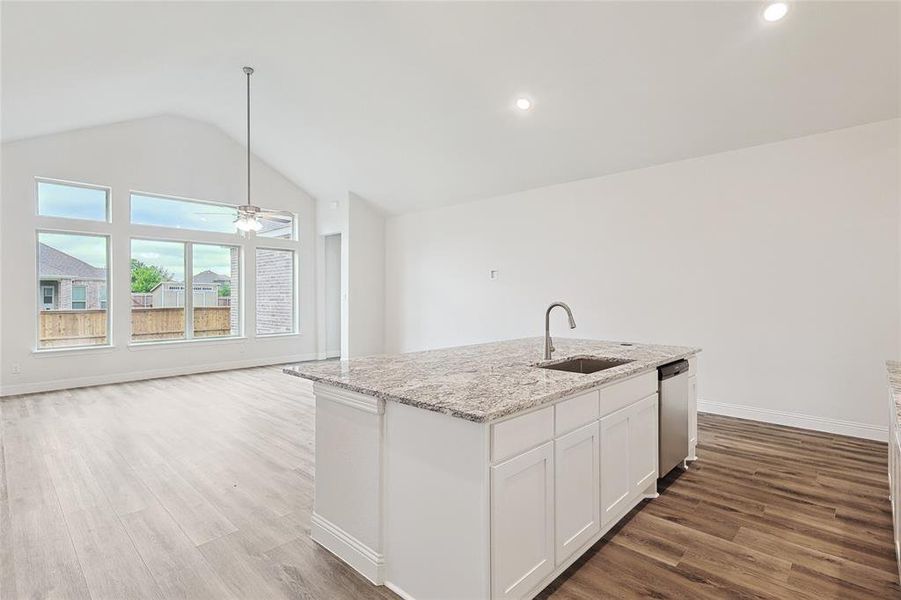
(17, 369)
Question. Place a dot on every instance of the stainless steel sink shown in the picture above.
(583, 364)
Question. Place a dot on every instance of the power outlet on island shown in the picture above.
(17, 369)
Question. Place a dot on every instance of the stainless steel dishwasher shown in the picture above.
(673, 422)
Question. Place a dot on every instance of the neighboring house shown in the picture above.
(168, 294)
(211, 277)
(67, 283)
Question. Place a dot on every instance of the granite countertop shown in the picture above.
(484, 382)
(894, 382)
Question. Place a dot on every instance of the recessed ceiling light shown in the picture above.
(775, 11)
(523, 103)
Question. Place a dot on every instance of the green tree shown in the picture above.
(145, 277)
(225, 290)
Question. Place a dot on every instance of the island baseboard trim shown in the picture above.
(349, 398)
(790, 419)
(359, 556)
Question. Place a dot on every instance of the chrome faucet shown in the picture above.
(548, 342)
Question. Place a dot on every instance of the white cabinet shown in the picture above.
(616, 486)
(692, 417)
(522, 522)
(577, 488)
(628, 456)
(643, 444)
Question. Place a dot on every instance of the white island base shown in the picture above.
(435, 506)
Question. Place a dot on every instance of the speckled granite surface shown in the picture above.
(484, 382)
(894, 381)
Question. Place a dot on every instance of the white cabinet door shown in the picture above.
(577, 489)
(616, 484)
(522, 522)
(643, 444)
(692, 416)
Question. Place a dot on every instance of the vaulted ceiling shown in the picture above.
(411, 104)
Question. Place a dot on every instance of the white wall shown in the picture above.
(333, 295)
(781, 261)
(166, 155)
(365, 270)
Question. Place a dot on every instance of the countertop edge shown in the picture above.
(499, 414)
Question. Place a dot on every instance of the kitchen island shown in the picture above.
(471, 472)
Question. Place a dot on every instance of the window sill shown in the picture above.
(213, 341)
(269, 336)
(45, 352)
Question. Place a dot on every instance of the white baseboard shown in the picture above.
(778, 417)
(400, 592)
(77, 382)
(359, 556)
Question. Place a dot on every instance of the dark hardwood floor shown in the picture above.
(201, 487)
(766, 512)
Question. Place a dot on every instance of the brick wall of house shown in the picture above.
(235, 285)
(92, 293)
(274, 302)
(65, 294)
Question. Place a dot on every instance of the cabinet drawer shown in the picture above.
(575, 412)
(624, 393)
(521, 433)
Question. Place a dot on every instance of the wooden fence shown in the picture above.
(57, 328)
(88, 327)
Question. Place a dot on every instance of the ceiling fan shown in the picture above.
(249, 215)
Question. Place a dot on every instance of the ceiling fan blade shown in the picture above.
(276, 215)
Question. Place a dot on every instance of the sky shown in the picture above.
(55, 200)
(180, 214)
(171, 256)
(88, 248)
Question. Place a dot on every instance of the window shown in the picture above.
(157, 290)
(72, 201)
(48, 294)
(275, 291)
(72, 275)
(281, 227)
(217, 291)
(182, 214)
(179, 213)
(79, 297)
(159, 297)
(103, 298)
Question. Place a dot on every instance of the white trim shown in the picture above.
(69, 350)
(778, 417)
(399, 591)
(208, 341)
(76, 382)
(355, 553)
(348, 398)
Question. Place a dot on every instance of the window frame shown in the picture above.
(108, 191)
(295, 289)
(37, 278)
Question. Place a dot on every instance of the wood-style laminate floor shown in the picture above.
(201, 487)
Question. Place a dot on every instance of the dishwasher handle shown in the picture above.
(672, 369)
